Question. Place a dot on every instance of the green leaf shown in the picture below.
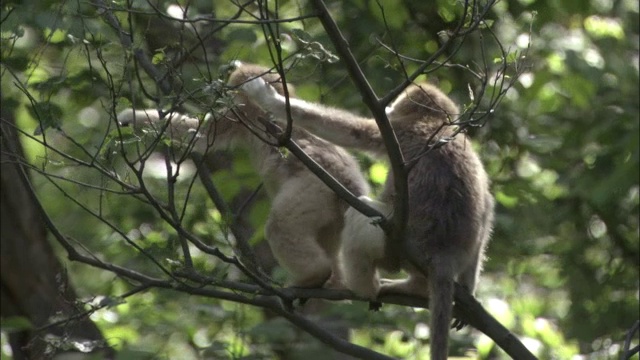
(158, 57)
(302, 35)
(506, 200)
(378, 173)
(55, 36)
(48, 115)
(15, 324)
(244, 34)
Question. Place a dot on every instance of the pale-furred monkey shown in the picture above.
(306, 217)
(450, 212)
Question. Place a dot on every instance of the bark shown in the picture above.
(33, 282)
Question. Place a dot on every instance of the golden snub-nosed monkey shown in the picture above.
(450, 212)
(306, 217)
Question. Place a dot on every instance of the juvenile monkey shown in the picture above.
(450, 212)
(306, 217)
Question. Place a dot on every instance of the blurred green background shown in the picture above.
(561, 149)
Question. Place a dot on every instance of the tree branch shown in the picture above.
(377, 109)
(466, 306)
(245, 250)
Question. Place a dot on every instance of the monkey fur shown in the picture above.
(306, 217)
(450, 213)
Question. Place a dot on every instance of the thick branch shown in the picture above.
(466, 304)
(322, 174)
(377, 108)
(275, 304)
(246, 252)
(471, 311)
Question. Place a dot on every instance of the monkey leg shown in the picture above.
(300, 212)
(336, 280)
(359, 273)
(469, 277)
(363, 244)
(297, 252)
(329, 239)
(470, 274)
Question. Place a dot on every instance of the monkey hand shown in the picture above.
(263, 94)
(130, 117)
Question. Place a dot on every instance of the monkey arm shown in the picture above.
(335, 125)
(176, 126)
(151, 118)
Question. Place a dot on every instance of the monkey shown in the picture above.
(450, 207)
(306, 217)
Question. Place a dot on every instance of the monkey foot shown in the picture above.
(458, 324)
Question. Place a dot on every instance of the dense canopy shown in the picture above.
(550, 91)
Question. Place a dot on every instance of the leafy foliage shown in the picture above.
(561, 148)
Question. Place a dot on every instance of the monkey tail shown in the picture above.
(441, 288)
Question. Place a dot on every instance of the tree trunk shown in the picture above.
(33, 282)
